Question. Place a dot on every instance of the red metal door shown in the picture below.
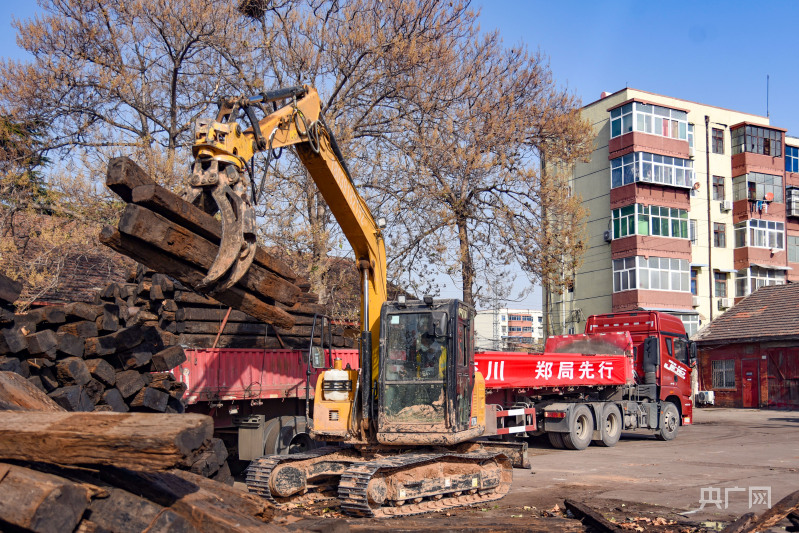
(750, 382)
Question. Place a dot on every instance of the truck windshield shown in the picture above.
(415, 363)
(611, 344)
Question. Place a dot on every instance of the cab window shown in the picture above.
(681, 351)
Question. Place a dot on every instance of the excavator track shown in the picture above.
(260, 471)
(400, 485)
(487, 477)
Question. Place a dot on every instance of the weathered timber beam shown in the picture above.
(129, 440)
(124, 176)
(186, 273)
(174, 239)
(170, 205)
(34, 501)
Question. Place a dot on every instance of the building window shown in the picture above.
(692, 231)
(621, 120)
(792, 201)
(652, 119)
(694, 274)
(655, 273)
(793, 249)
(690, 321)
(791, 159)
(723, 374)
(652, 168)
(760, 234)
(720, 284)
(624, 274)
(756, 140)
(690, 135)
(748, 280)
(755, 186)
(639, 219)
(719, 235)
(718, 187)
(718, 141)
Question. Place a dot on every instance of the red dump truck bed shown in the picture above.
(224, 374)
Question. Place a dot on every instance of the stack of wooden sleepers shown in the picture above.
(271, 307)
(199, 321)
(111, 472)
(92, 357)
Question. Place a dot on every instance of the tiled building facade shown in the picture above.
(508, 329)
(691, 208)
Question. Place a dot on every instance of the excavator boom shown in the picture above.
(415, 405)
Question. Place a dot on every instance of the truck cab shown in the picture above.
(664, 356)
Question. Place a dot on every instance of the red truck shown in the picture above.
(628, 371)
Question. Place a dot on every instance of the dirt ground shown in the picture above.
(642, 484)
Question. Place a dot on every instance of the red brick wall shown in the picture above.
(644, 193)
(644, 142)
(631, 300)
(651, 245)
(778, 369)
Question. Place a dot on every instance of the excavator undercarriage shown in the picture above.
(392, 483)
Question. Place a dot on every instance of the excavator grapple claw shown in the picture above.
(227, 191)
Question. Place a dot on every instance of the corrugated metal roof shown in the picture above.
(769, 312)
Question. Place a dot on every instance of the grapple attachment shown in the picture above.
(219, 185)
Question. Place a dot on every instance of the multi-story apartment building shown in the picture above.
(508, 329)
(692, 207)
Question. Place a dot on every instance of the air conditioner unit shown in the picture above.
(706, 397)
(695, 301)
(726, 205)
(690, 152)
(725, 303)
(608, 235)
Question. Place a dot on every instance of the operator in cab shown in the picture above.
(431, 353)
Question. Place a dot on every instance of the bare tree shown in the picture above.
(442, 128)
(472, 204)
(111, 78)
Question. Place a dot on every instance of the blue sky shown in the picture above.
(708, 51)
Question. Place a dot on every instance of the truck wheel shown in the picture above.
(669, 422)
(581, 429)
(556, 440)
(286, 435)
(610, 426)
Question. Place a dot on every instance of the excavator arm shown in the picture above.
(220, 182)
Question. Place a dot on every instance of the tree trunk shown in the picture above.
(467, 266)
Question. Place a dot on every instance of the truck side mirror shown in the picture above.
(317, 357)
(651, 359)
(692, 352)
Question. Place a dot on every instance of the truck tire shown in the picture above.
(581, 429)
(669, 422)
(610, 426)
(556, 440)
(286, 435)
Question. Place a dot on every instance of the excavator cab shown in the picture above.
(426, 380)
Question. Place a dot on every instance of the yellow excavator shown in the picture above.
(407, 421)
